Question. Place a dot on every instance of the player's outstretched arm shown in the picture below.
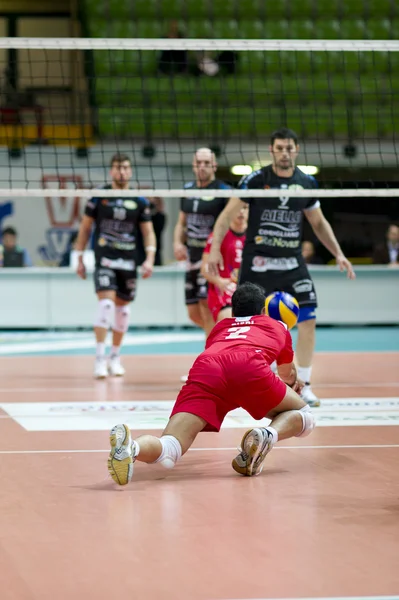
(220, 229)
(150, 247)
(288, 373)
(325, 234)
(179, 249)
(85, 229)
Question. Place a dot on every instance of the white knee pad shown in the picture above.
(171, 451)
(122, 314)
(105, 313)
(308, 421)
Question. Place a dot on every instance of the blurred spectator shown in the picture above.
(66, 257)
(11, 254)
(388, 252)
(158, 221)
(309, 254)
(172, 62)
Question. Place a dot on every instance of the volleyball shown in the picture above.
(282, 307)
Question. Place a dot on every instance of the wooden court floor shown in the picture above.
(322, 520)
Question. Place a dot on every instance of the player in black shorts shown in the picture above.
(115, 222)
(196, 220)
(272, 253)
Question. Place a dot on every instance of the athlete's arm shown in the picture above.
(150, 247)
(220, 229)
(221, 282)
(179, 248)
(325, 234)
(85, 229)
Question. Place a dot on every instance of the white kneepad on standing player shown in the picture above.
(308, 421)
(105, 313)
(122, 314)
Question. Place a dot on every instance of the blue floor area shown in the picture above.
(191, 341)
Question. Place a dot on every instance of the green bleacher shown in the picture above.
(320, 94)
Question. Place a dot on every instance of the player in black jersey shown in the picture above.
(115, 222)
(196, 220)
(272, 254)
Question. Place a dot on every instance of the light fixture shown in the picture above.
(309, 169)
(241, 170)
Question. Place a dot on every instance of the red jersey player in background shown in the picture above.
(232, 372)
(222, 287)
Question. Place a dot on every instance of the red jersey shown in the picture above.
(267, 335)
(231, 250)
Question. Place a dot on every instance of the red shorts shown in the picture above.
(220, 383)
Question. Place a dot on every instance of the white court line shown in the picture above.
(358, 446)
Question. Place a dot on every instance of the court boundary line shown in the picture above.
(327, 447)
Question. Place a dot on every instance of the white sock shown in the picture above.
(136, 448)
(304, 373)
(100, 350)
(273, 433)
(115, 351)
(171, 451)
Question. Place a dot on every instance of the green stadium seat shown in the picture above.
(381, 8)
(327, 10)
(144, 9)
(198, 10)
(353, 9)
(199, 29)
(251, 30)
(270, 9)
(300, 9)
(277, 29)
(378, 29)
(327, 29)
(226, 29)
(301, 29)
(353, 29)
(148, 29)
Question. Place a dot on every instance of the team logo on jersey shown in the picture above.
(303, 285)
(130, 204)
(104, 202)
(102, 242)
(259, 239)
(207, 198)
(119, 202)
(295, 187)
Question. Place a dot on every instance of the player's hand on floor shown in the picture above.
(180, 252)
(345, 265)
(215, 261)
(81, 270)
(146, 269)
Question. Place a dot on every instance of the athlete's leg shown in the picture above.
(304, 351)
(121, 325)
(175, 440)
(103, 321)
(292, 417)
(207, 318)
(194, 314)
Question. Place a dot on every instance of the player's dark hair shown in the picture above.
(284, 134)
(248, 300)
(9, 231)
(119, 158)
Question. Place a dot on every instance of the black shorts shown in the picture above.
(196, 287)
(296, 282)
(123, 282)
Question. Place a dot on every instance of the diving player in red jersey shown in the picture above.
(232, 372)
(221, 287)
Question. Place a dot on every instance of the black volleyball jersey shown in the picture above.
(275, 224)
(116, 221)
(201, 213)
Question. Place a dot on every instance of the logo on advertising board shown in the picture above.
(63, 216)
